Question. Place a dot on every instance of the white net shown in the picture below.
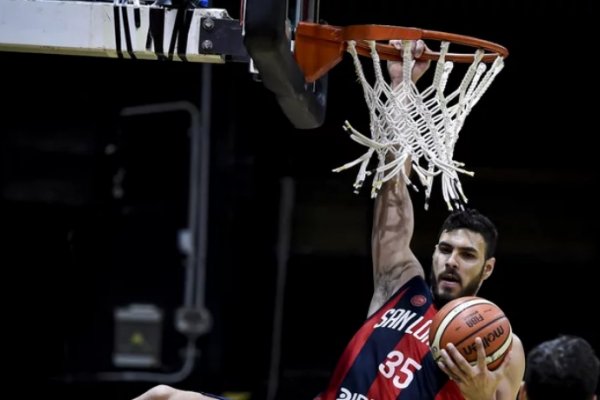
(424, 126)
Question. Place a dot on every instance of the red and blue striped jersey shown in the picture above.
(389, 357)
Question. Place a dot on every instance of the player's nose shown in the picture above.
(451, 261)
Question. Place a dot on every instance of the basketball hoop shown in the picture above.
(405, 122)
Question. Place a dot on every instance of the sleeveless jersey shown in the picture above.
(389, 357)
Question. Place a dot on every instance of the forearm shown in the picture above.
(392, 226)
(393, 261)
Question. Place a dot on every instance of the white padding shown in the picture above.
(88, 28)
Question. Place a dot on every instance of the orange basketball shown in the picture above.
(462, 320)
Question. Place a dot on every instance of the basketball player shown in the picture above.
(562, 368)
(389, 357)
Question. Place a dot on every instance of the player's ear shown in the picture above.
(488, 267)
(522, 392)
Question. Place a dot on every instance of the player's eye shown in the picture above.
(444, 249)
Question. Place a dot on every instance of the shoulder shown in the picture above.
(395, 278)
(517, 351)
(515, 369)
(387, 289)
(516, 361)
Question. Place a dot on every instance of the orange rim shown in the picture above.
(319, 47)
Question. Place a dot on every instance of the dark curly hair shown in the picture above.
(562, 368)
(473, 220)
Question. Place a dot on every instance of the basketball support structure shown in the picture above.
(135, 30)
(142, 31)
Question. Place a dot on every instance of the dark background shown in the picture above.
(71, 251)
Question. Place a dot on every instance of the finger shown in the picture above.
(481, 362)
(461, 364)
(397, 44)
(449, 362)
(447, 371)
(419, 48)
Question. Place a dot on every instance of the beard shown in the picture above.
(442, 298)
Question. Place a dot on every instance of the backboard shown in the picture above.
(185, 31)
